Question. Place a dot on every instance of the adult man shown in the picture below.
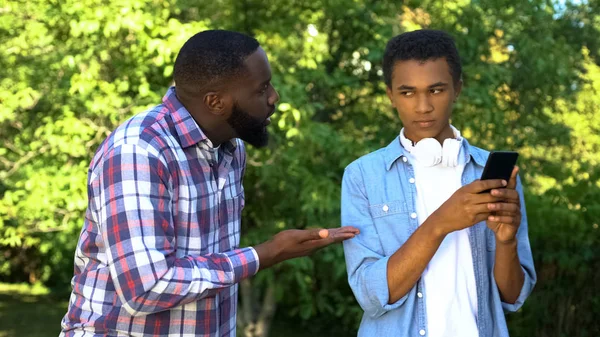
(158, 254)
(425, 263)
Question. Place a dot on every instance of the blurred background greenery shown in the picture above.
(71, 70)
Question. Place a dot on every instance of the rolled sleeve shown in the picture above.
(528, 285)
(244, 263)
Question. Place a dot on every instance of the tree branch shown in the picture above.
(30, 155)
(246, 295)
(263, 324)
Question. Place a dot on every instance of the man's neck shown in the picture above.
(214, 130)
(447, 133)
(214, 135)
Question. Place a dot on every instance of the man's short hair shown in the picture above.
(421, 45)
(211, 57)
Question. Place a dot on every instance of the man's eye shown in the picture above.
(437, 91)
(406, 93)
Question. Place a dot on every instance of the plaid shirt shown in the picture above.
(158, 253)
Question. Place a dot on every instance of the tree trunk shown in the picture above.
(254, 318)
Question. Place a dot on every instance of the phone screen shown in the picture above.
(500, 165)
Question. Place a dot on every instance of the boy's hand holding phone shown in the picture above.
(506, 216)
(492, 198)
(467, 206)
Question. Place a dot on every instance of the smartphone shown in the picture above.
(499, 165)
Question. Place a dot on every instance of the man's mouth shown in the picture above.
(268, 120)
(425, 124)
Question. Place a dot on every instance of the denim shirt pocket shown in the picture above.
(391, 220)
(387, 209)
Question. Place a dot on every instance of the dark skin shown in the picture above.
(423, 93)
(254, 93)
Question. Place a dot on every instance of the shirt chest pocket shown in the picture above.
(392, 221)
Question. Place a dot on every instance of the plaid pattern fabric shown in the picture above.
(158, 253)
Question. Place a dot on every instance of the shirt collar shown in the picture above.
(188, 131)
(479, 156)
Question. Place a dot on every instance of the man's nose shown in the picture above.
(423, 104)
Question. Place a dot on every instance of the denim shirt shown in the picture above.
(379, 198)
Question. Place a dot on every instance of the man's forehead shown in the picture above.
(258, 62)
(419, 70)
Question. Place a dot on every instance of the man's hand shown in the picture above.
(293, 243)
(466, 207)
(506, 216)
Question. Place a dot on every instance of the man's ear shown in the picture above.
(216, 102)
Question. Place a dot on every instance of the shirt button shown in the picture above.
(422, 332)
(419, 295)
(404, 159)
(385, 208)
(413, 215)
(411, 180)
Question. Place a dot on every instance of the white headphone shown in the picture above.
(429, 152)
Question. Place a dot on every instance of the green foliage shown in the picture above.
(70, 71)
(18, 301)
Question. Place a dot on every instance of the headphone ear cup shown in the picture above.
(450, 152)
(428, 152)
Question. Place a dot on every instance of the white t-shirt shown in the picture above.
(449, 280)
(217, 154)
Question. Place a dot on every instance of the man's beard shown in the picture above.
(247, 128)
